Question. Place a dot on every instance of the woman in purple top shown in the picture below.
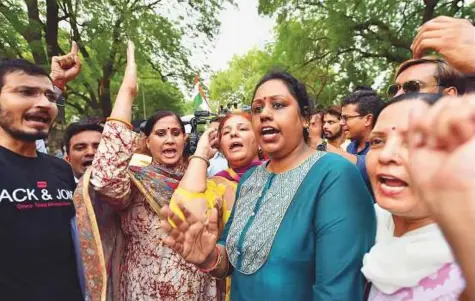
(411, 259)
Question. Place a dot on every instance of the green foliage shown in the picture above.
(102, 28)
(334, 46)
(237, 83)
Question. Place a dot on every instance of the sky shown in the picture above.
(241, 30)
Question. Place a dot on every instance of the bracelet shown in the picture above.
(219, 258)
(121, 121)
(201, 158)
(60, 84)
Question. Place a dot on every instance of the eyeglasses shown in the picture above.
(345, 118)
(412, 86)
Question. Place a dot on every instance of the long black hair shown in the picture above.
(296, 88)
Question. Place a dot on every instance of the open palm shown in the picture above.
(193, 239)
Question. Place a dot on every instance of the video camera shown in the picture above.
(200, 117)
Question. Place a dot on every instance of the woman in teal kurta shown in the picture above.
(301, 223)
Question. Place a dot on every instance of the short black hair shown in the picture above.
(8, 66)
(470, 83)
(334, 111)
(428, 98)
(139, 125)
(87, 124)
(296, 88)
(367, 101)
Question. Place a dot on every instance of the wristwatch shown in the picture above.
(60, 99)
(322, 146)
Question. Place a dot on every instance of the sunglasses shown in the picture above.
(412, 86)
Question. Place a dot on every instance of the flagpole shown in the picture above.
(143, 102)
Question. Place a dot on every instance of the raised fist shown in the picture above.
(65, 68)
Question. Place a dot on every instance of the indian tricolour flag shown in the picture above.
(199, 99)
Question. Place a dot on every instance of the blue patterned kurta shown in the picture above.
(300, 235)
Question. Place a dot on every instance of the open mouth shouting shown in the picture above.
(38, 119)
(390, 185)
(268, 133)
(235, 146)
(87, 163)
(169, 152)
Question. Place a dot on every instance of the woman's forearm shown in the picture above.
(222, 269)
(123, 105)
(128, 89)
(194, 179)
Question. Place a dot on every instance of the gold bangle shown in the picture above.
(219, 258)
(121, 121)
(199, 157)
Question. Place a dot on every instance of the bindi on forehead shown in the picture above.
(168, 128)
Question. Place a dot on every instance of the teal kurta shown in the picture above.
(302, 234)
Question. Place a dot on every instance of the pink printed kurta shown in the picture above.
(149, 270)
(445, 285)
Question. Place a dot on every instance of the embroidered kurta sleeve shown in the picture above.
(109, 168)
(345, 228)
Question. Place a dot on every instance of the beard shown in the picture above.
(331, 137)
(6, 121)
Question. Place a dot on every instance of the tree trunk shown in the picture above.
(429, 10)
(105, 96)
(33, 33)
(52, 20)
(108, 71)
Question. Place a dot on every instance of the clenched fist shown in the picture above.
(65, 68)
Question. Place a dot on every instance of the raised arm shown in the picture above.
(109, 168)
(442, 166)
(199, 194)
(65, 68)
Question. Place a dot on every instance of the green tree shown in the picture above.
(40, 29)
(236, 84)
(334, 46)
(359, 41)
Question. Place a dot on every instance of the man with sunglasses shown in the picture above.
(428, 75)
(38, 254)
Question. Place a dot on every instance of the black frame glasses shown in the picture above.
(345, 118)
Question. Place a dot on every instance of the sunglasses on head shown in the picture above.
(412, 86)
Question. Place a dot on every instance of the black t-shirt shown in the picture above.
(37, 257)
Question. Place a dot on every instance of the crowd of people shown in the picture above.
(372, 199)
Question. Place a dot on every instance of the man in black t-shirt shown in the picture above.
(37, 246)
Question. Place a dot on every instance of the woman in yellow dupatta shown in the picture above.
(238, 143)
